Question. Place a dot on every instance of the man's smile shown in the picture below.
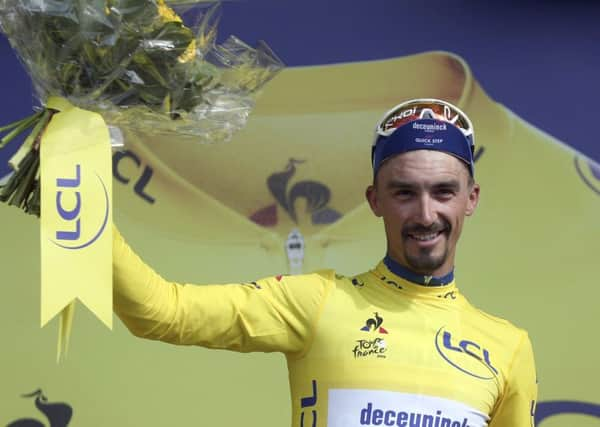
(426, 236)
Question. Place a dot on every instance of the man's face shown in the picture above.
(423, 197)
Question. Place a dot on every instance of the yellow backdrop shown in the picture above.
(201, 214)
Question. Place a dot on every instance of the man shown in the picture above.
(397, 345)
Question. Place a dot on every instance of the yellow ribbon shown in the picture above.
(76, 217)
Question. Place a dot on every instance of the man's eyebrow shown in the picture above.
(394, 183)
(399, 184)
(452, 183)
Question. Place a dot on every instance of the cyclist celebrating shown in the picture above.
(398, 345)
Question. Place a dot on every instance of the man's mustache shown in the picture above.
(421, 229)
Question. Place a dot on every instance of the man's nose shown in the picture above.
(426, 210)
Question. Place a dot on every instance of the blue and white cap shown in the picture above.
(424, 124)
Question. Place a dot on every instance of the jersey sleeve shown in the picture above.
(517, 403)
(273, 314)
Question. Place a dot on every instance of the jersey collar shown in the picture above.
(417, 278)
(395, 282)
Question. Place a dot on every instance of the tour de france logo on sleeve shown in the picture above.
(469, 357)
(374, 344)
(57, 414)
(82, 208)
(589, 172)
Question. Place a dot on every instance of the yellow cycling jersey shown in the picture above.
(373, 349)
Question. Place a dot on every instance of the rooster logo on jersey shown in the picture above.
(371, 346)
(374, 324)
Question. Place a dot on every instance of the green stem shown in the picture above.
(26, 184)
(18, 122)
(28, 144)
(32, 206)
(16, 178)
(22, 127)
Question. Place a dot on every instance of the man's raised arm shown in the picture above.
(273, 314)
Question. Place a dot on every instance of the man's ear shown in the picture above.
(371, 195)
(473, 199)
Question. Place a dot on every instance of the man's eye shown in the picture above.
(445, 192)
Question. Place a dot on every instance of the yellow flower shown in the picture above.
(167, 13)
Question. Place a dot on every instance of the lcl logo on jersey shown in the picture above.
(309, 408)
(465, 355)
(589, 172)
(79, 226)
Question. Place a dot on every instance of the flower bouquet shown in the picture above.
(137, 64)
(103, 68)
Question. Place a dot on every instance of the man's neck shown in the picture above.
(418, 278)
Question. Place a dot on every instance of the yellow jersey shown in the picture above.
(372, 349)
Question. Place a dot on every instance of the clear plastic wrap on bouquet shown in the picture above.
(145, 65)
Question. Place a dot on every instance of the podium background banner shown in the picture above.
(204, 214)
